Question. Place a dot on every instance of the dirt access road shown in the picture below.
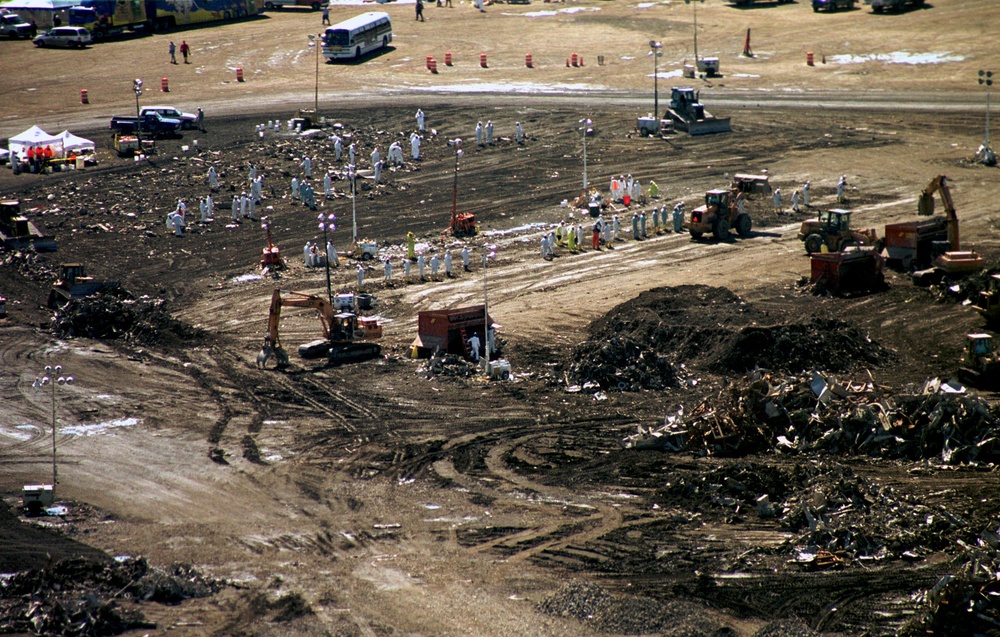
(393, 503)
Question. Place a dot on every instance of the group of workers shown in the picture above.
(37, 158)
(484, 134)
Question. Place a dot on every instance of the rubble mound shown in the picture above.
(621, 363)
(76, 596)
(827, 507)
(641, 344)
(114, 314)
(627, 615)
(829, 344)
(817, 414)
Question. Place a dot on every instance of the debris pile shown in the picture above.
(77, 596)
(629, 615)
(966, 602)
(448, 365)
(621, 363)
(114, 315)
(836, 517)
(800, 414)
(645, 343)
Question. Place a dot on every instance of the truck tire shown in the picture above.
(743, 224)
(269, 6)
(877, 9)
(721, 229)
(813, 243)
(695, 234)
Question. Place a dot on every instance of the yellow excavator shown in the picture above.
(954, 260)
(344, 333)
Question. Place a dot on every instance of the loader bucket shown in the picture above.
(709, 126)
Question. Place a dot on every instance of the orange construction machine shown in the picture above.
(344, 333)
(954, 260)
(272, 254)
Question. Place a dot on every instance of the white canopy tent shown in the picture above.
(41, 12)
(75, 144)
(34, 137)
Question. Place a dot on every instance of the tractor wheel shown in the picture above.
(721, 230)
(743, 224)
(813, 243)
(696, 235)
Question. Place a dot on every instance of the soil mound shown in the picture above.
(641, 344)
(627, 615)
(114, 314)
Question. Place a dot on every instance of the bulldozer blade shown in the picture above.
(709, 126)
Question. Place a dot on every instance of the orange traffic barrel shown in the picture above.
(428, 63)
(447, 58)
(83, 96)
(164, 85)
(239, 73)
(482, 60)
(572, 60)
(527, 61)
(809, 58)
(432, 65)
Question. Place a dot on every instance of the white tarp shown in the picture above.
(34, 137)
(41, 12)
(75, 143)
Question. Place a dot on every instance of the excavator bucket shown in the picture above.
(925, 205)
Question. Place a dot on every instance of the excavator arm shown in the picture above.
(272, 344)
(926, 207)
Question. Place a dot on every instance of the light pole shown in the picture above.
(137, 89)
(655, 52)
(326, 222)
(986, 78)
(50, 378)
(695, 3)
(457, 143)
(489, 252)
(314, 42)
(586, 124)
(353, 176)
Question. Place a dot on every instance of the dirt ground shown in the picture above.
(379, 499)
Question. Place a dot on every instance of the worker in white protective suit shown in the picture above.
(489, 132)
(203, 207)
(776, 199)
(679, 217)
(377, 165)
(213, 178)
(395, 154)
(435, 265)
(407, 264)
(805, 194)
(420, 120)
(388, 269)
(338, 146)
(307, 168)
(841, 187)
(414, 146)
(327, 185)
(474, 345)
(210, 206)
(295, 188)
(361, 275)
(420, 266)
(518, 133)
(479, 133)
(236, 208)
(447, 263)
(465, 258)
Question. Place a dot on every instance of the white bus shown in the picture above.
(357, 36)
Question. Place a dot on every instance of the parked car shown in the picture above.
(188, 120)
(150, 123)
(12, 26)
(832, 5)
(65, 36)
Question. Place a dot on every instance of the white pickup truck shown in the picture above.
(12, 26)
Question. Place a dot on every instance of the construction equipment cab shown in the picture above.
(980, 362)
(720, 213)
(988, 303)
(833, 229)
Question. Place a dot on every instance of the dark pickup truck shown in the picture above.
(150, 123)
